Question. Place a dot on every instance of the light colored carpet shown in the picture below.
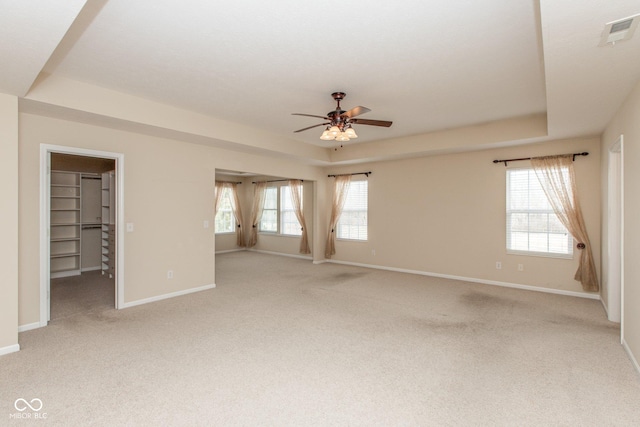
(283, 342)
(90, 291)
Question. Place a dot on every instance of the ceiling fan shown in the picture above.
(338, 122)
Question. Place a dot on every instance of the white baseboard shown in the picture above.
(231, 250)
(307, 257)
(631, 355)
(9, 349)
(167, 296)
(322, 261)
(473, 280)
(29, 326)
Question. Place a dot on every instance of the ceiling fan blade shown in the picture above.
(310, 127)
(371, 122)
(356, 111)
(310, 115)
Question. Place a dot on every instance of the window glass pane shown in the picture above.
(271, 198)
(532, 225)
(353, 221)
(520, 222)
(225, 222)
(288, 220)
(538, 242)
(269, 220)
(520, 241)
(559, 243)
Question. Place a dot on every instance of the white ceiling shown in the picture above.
(425, 65)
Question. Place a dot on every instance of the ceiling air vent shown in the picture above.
(620, 30)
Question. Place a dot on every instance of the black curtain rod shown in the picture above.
(225, 182)
(345, 174)
(279, 180)
(584, 153)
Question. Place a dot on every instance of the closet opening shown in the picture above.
(80, 244)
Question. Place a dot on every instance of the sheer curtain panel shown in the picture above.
(557, 178)
(219, 188)
(340, 189)
(237, 213)
(256, 211)
(295, 186)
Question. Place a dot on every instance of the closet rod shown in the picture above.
(90, 227)
(356, 173)
(584, 153)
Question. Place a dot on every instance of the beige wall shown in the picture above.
(446, 215)
(168, 194)
(627, 122)
(8, 223)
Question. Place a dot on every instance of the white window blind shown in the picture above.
(225, 222)
(352, 224)
(269, 221)
(532, 225)
(289, 223)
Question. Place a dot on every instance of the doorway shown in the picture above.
(615, 246)
(81, 258)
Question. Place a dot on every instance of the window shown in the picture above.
(532, 226)
(269, 221)
(225, 221)
(278, 215)
(352, 224)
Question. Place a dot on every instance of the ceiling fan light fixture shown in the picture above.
(342, 137)
(326, 136)
(334, 131)
(351, 133)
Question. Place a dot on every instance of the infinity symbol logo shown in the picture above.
(22, 405)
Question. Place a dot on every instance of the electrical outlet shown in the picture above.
(206, 224)
(170, 274)
(520, 267)
(373, 252)
(498, 265)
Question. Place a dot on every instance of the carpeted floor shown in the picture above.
(90, 291)
(281, 341)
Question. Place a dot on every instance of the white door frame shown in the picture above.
(45, 191)
(615, 224)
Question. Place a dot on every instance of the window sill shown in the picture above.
(274, 234)
(540, 254)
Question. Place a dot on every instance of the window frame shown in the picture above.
(508, 221)
(280, 187)
(366, 211)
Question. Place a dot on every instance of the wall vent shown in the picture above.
(620, 30)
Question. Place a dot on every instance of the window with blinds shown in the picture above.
(269, 220)
(225, 222)
(532, 226)
(278, 215)
(352, 224)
